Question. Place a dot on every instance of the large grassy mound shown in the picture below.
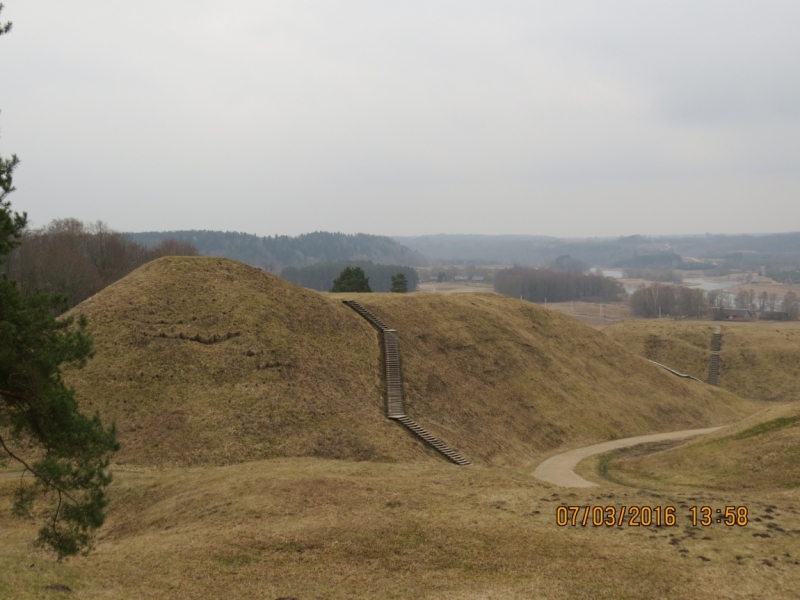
(758, 360)
(209, 361)
(758, 453)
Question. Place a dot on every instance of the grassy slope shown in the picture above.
(494, 376)
(301, 378)
(758, 360)
(761, 452)
(309, 528)
(501, 380)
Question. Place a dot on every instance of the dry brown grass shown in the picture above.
(309, 528)
(505, 380)
(501, 380)
(295, 373)
(759, 453)
(447, 287)
(292, 374)
(759, 360)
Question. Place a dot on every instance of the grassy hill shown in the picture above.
(760, 361)
(209, 361)
(494, 375)
(760, 453)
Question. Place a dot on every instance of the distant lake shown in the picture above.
(704, 284)
(700, 283)
(611, 273)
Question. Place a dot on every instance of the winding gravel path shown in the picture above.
(558, 469)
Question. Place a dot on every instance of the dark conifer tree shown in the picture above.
(399, 284)
(41, 427)
(351, 279)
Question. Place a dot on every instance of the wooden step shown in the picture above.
(433, 441)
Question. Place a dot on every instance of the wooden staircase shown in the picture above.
(716, 346)
(391, 368)
(395, 409)
(432, 441)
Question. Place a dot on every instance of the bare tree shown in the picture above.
(71, 258)
(791, 305)
(742, 299)
(763, 297)
(773, 302)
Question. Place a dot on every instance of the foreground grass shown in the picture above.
(309, 528)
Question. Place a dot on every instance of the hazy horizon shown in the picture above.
(475, 234)
(571, 120)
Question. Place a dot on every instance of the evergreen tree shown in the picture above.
(351, 279)
(320, 276)
(41, 427)
(399, 283)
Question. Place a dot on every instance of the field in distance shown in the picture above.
(595, 314)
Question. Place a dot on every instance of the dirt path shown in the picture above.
(558, 469)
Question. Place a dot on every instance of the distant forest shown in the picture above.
(540, 285)
(320, 276)
(779, 253)
(276, 253)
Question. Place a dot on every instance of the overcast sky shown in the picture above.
(560, 117)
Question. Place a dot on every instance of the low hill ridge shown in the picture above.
(273, 253)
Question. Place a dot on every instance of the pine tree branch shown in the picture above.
(10, 395)
(37, 475)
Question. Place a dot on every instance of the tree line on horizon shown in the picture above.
(77, 260)
(679, 301)
(720, 254)
(548, 285)
(275, 253)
